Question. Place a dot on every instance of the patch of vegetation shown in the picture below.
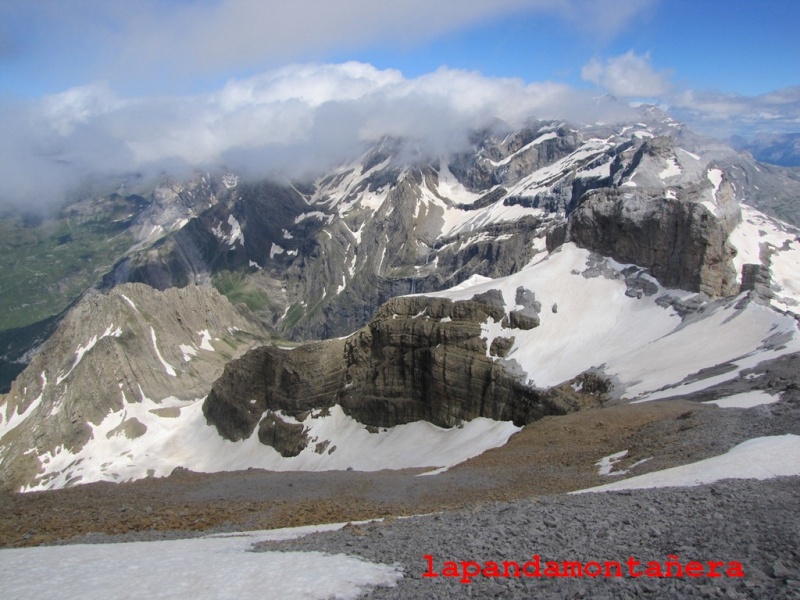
(295, 313)
(236, 287)
(47, 262)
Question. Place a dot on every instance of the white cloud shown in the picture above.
(628, 75)
(604, 19)
(707, 111)
(286, 121)
(723, 114)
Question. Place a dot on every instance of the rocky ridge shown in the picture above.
(111, 351)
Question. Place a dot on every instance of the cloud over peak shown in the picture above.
(289, 121)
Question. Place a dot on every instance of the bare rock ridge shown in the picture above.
(113, 350)
(418, 359)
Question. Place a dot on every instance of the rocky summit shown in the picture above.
(303, 325)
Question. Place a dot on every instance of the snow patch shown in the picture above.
(759, 458)
(15, 419)
(129, 301)
(745, 400)
(190, 568)
(170, 370)
(605, 465)
(694, 156)
(316, 214)
(230, 181)
(715, 177)
(231, 238)
(672, 169)
(189, 352)
(451, 188)
(188, 441)
(757, 230)
(205, 340)
(275, 249)
(236, 234)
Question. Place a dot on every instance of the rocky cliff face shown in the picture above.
(668, 214)
(681, 242)
(419, 359)
(110, 351)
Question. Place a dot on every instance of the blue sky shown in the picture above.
(117, 86)
(733, 46)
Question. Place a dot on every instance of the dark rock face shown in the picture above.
(526, 317)
(288, 439)
(638, 286)
(756, 278)
(195, 252)
(500, 346)
(418, 359)
(681, 242)
(291, 380)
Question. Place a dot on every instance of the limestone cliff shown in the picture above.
(681, 242)
(419, 359)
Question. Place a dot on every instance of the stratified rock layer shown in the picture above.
(418, 359)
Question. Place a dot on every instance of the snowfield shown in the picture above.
(647, 349)
(215, 566)
(177, 435)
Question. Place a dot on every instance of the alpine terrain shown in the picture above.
(584, 300)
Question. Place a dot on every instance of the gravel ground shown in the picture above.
(751, 522)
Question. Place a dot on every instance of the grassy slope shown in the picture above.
(47, 264)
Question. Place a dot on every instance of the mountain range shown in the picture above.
(405, 309)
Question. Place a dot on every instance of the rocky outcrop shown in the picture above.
(526, 316)
(292, 380)
(680, 241)
(420, 358)
(287, 438)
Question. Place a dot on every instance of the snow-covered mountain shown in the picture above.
(319, 257)
(539, 272)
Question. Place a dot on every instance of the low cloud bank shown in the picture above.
(286, 122)
(302, 119)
